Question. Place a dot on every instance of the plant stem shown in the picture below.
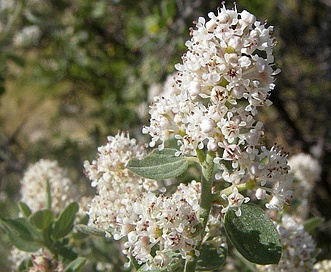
(205, 203)
(48, 195)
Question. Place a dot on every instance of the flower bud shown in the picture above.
(247, 17)
(194, 88)
(207, 125)
(260, 193)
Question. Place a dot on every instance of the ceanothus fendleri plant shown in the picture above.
(225, 76)
(205, 120)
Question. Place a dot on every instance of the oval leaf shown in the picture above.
(211, 258)
(22, 244)
(21, 234)
(253, 234)
(65, 222)
(41, 219)
(21, 227)
(160, 164)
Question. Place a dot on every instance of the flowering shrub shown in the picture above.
(226, 75)
(206, 120)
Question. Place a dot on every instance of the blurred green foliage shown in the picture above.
(72, 72)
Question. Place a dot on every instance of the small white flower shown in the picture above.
(323, 266)
(235, 200)
(260, 193)
(207, 126)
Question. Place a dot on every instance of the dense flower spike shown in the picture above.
(299, 248)
(225, 76)
(323, 266)
(34, 186)
(175, 223)
(219, 85)
(170, 222)
(125, 206)
(115, 185)
(306, 171)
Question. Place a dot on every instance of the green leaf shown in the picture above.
(84, 220)
(76, 265)
(65, 250)
(88, 230)
(22, 244)
(253, 234)
(65, 222)
(41, 219)
(159, 165)
(18, 227)
(21, 234)
(24, 209)
(211, 258)
(47, 235)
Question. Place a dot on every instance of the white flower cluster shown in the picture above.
(113, 181)
(34, 186)
(126, 207)
(225, 76)
(265, 172)
(299, 248)
(219, 85)
(323, 266)
(167, 222)
(34, 194)
(306, 171)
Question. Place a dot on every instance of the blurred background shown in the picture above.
(74, 71)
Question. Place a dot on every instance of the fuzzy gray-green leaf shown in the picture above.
(160, 164)
(253, 234)
(89, 230)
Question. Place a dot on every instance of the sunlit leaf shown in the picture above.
(253, 234)
(41, 219)
(159, 165)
